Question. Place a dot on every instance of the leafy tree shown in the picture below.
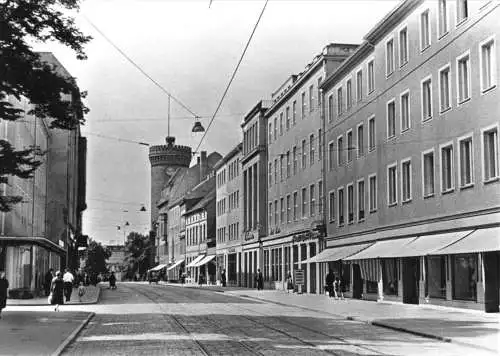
(95, 258)
(137, 254)
(23, 74)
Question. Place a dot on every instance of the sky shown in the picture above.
(191, 50)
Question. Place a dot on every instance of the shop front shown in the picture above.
(227, 261)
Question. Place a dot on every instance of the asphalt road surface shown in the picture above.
(142, 319)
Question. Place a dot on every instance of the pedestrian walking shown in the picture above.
(112, 281)
(338, 288)
(289, 283)
(4, 287)
(330, 278)
(49, 276)
(56, 296)
(68, 280)
(81, 291)
(259, 280)
(223, 277)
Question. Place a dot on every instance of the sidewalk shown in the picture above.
(92, 294)
(39, 333)
(469, 327)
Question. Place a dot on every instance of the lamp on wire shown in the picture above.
(197, 127)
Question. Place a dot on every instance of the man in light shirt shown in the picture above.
(68, 284)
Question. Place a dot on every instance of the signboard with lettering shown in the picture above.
(299, 276)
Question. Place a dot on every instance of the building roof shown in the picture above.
(236, 150)
(261, 105)
(211, 196)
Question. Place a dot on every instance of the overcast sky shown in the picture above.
(191, 50)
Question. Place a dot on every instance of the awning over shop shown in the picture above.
(337, 253)
(383, 249)
(195, 261)
(175, 265)
(157, 268)
(482, 240)
(205, 260)
(428, 244)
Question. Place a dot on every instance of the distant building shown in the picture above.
(116, 261)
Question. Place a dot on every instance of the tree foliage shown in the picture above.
(95, 258)
(137, 254)
(23, 74)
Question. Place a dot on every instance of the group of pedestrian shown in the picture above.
(334, 286)
(59, 287)
(4, 287)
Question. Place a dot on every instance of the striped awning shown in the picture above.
(337, 253)
(157, 268)
(195, 261)
(370, 269)
(175, 265)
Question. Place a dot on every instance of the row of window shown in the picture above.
(286, 209)
(234, 232)
(221, 178)
(221, 207)
(346, 154)
(251, 138)
(234, 200)
(196, 234)
(196, 217)
(234, 169)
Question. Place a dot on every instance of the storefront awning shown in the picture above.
(482, 240)
(337, 253)
(195, 261)
(383, 249)
(428, 244)
(205, 260)
(157, 268)
(175, 265)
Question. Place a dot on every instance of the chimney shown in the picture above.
(203, 165)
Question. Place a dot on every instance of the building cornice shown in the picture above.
(236, 150)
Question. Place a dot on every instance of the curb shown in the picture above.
(72, 336)
(409, 331)
(72, 304)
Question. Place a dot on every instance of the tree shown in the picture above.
(24, 75)
(137, 253)
(95, 258)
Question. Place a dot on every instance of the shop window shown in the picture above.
(346, 276)
(371, 287)
(464, 277)
(390, 276)
(435, 272)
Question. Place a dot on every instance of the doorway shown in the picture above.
(357, 282)
(411, 277)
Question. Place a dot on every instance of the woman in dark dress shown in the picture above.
(4, 286)
(57, 290)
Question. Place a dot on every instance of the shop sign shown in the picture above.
(299, 276)
(249, 236)
(309, 235)
(231, 250)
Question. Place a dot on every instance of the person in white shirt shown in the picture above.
(68, 284)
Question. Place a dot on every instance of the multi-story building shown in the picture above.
(254, 194)
(412, 175)
(116, 261)
(295, 176)
(228, 212)
(40, 232)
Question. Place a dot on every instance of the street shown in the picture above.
(139, 318)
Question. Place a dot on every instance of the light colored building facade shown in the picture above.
(228, 212)
(116, 261)
(412, 177)
(295, 173)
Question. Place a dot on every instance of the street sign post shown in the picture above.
(299, 279)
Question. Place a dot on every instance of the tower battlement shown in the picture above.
(170, 154)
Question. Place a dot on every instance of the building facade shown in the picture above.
(294, 180)
(412, 178)
(228, 212)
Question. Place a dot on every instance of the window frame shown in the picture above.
(359, 88)
(403, 94)
(331, 212)
(348, 94)
(403, 28)
(391, 166)
(303, 109)
(410, 177)
(446, 18)
(304, 202)
(330, 108)
(304, 154)
(312, 200)
(422, 82)
(331, 156)
(370, 177)
(389, 71)
(361, 149)
(495, 127)
(460, 21)
(442, 69)
(361, 219)
(493, 61)
(295, 202)
(452, 169)
(389, 102)
(349, 220)
(312, 153)
(424, 46)
(340, 151)
(370, 78)
(459, 59)
(341, 209)
(467, 137)
(350, 155)
(340, 101)
(425, 153)
(370, 147)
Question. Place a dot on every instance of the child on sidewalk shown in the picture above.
(81, 291)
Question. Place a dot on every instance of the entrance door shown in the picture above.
(357, 282)
(491, 261)
(411, 277)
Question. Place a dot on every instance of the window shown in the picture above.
(320, 80)
(340, 151)
(389, 57)
(350, 203)
(425, 30)
(361, 141)
(331, 206)
(443, 18)
(371, 133)
(320, 197)
(349, 94)
(392, 185)
(405, 111)
(490, 154)
(391, 119)
(488, 64)
(361, 200)
(312, 198)
(444, 89)
(341, 209)
(304, 202)
(435, 271)
(359, 85)
(447, 168)
(371, 77)
(463, 78)
(303, 109)
(465, 161)
(339, 101)
(275, 128)
(294, 160)
(311, 98)
(403, 47)
(330, 108)
(275, 171)
(281, 124)
(276, 222)
(270, 132)
(330, 155)
(288, 164)
(304, 154)
(465, 273)
(427, 99)
(320, 145)
(282, 206)
(372, 180)
(294, 112)
(462, 11)
(270, 173)
(350, 147)
(406, 181)
(311, 149)
(281, 167)
(288, 209)
(287, 118)
(295, 205)
(428, 173)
